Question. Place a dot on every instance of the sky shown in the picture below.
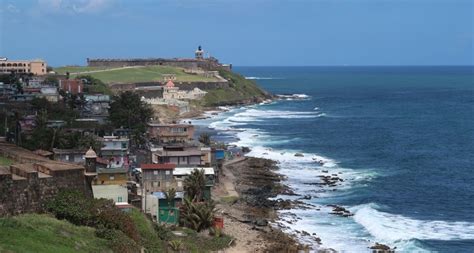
(242, 32)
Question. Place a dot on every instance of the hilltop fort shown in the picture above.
(199, 61)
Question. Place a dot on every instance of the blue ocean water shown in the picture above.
(402, 138)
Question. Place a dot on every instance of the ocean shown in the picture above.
(401, 138)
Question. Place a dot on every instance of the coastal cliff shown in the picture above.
(239, 91)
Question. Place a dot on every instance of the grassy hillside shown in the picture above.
(42, 233)
(240, 90)
(133, 74)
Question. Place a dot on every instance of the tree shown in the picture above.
(205, 138)
(170, 195)
(198, 216)
(52, 80)
(195, 184)
(127, 110)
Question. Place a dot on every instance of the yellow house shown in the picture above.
(116, 176)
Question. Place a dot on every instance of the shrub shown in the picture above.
(74, 207)
(118, 241)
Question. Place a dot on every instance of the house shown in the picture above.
(69, 155)
(116, 150)
(158, 177)
(170, 133)
(106, 183)
(49, 93)
(157, 180)
(96, 107)
(72, 86)
(181, 155)
(112, 176)
(181, 173)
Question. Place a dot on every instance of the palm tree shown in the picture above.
(195, 184)
(170, 195)
(198, 216)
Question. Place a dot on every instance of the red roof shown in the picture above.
(170, 84)
(164, 166)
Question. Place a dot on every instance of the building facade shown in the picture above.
(170, 133)
(35, 67)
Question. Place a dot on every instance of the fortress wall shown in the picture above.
(206, 64)
(32, 193)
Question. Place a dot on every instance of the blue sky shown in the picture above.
(242, 32)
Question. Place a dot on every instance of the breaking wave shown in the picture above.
(260, 78)
(393, 227)
(293, 96)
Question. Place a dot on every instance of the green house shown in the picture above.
(168, 212)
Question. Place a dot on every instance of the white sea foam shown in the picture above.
(260, 78)
(258, 115)
(293, 96)
(367, 227)
(392, 227)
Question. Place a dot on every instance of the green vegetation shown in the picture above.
(195, 184)
(196, 242)
(95, 85)
(127, 110)
(76, 69)
(43, 233)
(82, 224)
(240, 89)
(134, 74)
(151, 234)
(229, 199)
(5, 161)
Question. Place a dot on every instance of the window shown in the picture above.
(119, 199)
(67, 157)
(156, 184)
(111, 177)
(155, 172)
(180, 184)
(168, 172)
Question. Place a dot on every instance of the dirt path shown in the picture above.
(229, 179)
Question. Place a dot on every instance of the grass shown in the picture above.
(197, 243)
(240, 89)
(229, 199)
(149, 237)
(5, 161)
(75, 69)
(136, 74)
(43, 233)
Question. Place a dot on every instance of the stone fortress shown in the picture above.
(199, 62)
(32, 180)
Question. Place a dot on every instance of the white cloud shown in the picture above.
(74, 6)
(12, 8)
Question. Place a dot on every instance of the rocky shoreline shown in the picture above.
(257, 184)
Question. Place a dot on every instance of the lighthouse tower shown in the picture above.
(199, 53)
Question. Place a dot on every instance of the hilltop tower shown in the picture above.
(199, 53)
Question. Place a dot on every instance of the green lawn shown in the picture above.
(138, 74)
(74, 69)
(5, 161)
(42, 233)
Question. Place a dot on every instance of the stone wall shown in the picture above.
(206, 64)
(28, 184)
(32, 193)
(121, 87)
